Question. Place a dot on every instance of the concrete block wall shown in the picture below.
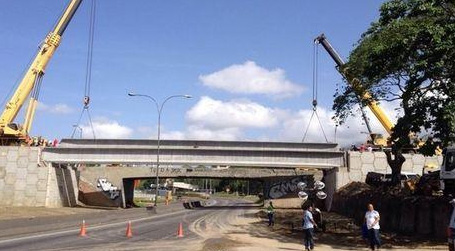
(360, 163)
(25, 180)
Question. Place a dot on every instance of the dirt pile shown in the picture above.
(406, 214)
(353, 189)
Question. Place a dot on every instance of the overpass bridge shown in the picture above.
(120, 162)
(84, 168)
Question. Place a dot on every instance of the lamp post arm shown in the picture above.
(151, 98)
(170, 97)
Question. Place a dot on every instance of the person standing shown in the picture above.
(372, 221)
(271, 214)
(308, 226)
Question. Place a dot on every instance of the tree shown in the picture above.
(408, 56)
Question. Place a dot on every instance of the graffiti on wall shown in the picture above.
(108, 188)
(282, 188)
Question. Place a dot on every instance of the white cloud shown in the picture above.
(353, 131)
(146, 131)
(249, 78)
(173, 135)
(211, 119)
(55, 109)
(215, 114)
(106, 129)
(201, 132)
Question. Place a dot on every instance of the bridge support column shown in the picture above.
(128, 193)
(66, 181)
(330, 179)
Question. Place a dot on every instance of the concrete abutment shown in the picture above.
(27, 181)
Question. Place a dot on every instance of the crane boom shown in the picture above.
(373, 105)
(31, 81)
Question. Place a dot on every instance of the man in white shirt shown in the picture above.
(308, 225)
(372, 222)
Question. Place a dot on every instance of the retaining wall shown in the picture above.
(25, 180)
(360, 163)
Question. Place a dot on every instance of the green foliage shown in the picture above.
(145, 184)
(408, 56)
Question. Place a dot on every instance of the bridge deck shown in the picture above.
(193, 152)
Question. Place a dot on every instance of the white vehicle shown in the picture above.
(447, 173)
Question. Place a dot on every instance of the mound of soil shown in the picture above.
(426, 216)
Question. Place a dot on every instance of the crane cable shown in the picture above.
(88, 73)
(315, 93)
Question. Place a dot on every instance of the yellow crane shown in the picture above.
(366, 96)
(13, 133)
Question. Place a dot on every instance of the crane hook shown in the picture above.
(315, 103)
(86, 101)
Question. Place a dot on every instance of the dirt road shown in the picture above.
(230, 225)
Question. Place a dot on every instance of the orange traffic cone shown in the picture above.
(83, 229)
(180, 231)
(129, 233)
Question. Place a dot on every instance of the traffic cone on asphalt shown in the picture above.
(129, 233)
(83, 229)
(180, 231)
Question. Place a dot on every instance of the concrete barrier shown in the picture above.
(193, 204)
(187, 205)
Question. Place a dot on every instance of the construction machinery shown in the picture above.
(29, 87)
(376, 139)
(447, 172)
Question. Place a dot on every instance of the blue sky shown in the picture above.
(247, 64)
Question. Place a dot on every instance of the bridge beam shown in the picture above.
(212, 153)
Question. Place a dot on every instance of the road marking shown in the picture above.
(88, 228)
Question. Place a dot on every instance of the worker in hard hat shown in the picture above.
(451, 229)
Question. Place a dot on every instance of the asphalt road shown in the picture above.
(107, 230)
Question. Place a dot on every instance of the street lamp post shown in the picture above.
(159, 109)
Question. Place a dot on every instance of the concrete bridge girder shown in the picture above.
(244, 154)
